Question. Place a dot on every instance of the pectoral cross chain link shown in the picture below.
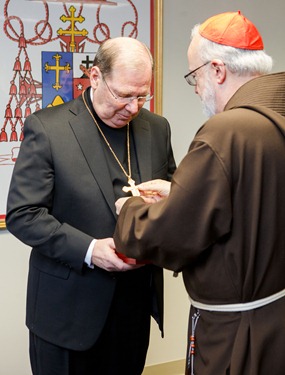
(132, 188)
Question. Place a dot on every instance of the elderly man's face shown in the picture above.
(116, 95)
(204, 86)
(208, 97)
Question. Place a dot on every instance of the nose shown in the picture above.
(133, 106)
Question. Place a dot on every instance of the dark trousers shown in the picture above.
(120, 350)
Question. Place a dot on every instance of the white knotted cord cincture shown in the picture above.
(191, 350)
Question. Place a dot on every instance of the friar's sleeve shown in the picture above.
(172, 233)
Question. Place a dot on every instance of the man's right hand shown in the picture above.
(104, 256)
(154, 190)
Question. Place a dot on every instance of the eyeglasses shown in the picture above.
(128, 99)
(191, 77)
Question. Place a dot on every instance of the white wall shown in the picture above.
(13, 333)
(182, 108)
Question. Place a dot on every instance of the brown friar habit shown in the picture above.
(223, 227)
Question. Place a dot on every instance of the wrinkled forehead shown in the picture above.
(131, 79)
(131, 69)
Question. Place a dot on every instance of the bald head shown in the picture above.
(123, 52)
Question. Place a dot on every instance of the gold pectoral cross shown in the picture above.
(132, 188)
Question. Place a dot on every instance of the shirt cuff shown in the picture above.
(88, 257)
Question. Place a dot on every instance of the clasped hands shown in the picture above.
(104, 252)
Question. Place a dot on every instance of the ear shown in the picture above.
(220, 70)
(95, 75)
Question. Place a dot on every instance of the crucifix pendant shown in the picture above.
(132, 188)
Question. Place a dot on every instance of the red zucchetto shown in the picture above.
(232, 29)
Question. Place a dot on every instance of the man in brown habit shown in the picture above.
(222, 223)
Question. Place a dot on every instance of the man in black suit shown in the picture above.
(88, 311)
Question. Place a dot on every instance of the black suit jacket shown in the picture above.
(61, 197)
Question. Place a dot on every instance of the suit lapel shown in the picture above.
(142, 138)
(88, 138)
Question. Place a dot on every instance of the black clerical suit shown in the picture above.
(62, 195)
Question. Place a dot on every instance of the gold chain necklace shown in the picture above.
(132, 188)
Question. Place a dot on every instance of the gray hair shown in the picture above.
(239, 61)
